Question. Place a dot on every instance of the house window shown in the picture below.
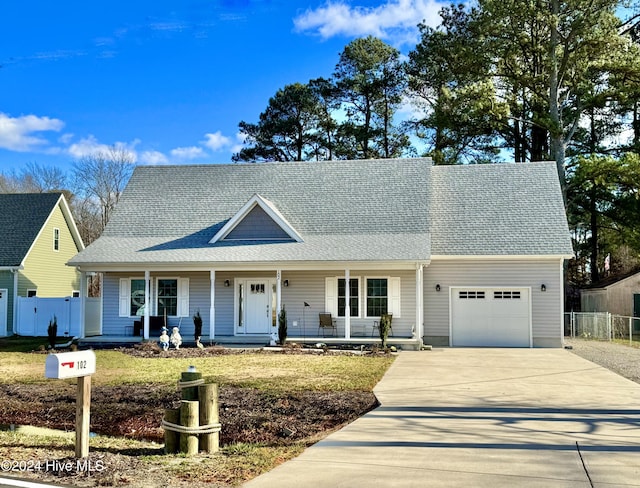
(506, 295)
(167, 297)
(137, 297)
(56, 239)
(354, 299)
(75, 293)
(377, 297)
(32, 293)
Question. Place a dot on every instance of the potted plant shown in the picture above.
(282, 326)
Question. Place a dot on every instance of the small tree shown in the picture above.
(282, 326)
(385, 327)
(197, 323)
(52, 331)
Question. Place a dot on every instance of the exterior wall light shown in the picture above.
(285, 282)
(543, 287)
(438, 287)
(227, 283)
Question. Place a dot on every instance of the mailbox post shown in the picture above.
(81, 365)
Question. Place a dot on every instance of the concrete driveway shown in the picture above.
(483, 418)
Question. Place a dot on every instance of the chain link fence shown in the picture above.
(602, 326)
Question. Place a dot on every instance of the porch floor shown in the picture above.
(255, 341)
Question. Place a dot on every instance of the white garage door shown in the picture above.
(490, 317)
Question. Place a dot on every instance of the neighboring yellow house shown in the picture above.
(39, 238)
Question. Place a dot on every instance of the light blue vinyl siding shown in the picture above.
(304, 286)
(257, 224)
(545, 306)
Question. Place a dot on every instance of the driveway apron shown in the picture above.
(465, 417)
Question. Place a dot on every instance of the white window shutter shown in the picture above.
(331, 296)
(183, 297)
(394, 296)
(125, 298)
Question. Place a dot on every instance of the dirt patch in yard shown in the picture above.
(247, 415)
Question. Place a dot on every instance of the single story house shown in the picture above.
(39, 237)
(460, 255)
(618, 295)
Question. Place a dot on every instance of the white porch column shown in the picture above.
(83, 302)
(147, 303)
(278, 293)
(347, 308)
(212, 309)
(419, 330)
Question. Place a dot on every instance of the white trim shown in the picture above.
(237, 329)
(506, 257)
(71, 225)
(390, 309)
(269, 208)
(182, 301)
(253, 266)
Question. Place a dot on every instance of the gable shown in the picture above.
(257, 225)
(260, 220)
(22, 217)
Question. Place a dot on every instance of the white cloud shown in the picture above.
(216, 141)
(16, 133)
(153, 157)
(395, 20)
(90, 146)
(187, 152)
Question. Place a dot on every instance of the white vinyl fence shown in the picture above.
(34, 314)
(602, 326)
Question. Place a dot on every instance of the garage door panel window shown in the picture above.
(506, 295)
(471, 295)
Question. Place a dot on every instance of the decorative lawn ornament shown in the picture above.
(164, 339)
(176, 338)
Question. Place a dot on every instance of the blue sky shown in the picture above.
(168, 81)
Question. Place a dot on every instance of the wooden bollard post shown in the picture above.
(190, 392)
(83, 403)
(208, 395)
(189, 417)
(171, 437)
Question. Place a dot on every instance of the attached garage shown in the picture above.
(490, 317)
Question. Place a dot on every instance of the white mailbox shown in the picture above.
(70, 364)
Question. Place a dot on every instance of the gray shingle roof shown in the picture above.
(498, 209)
(375, 210)
(344, 210)
(22, 215)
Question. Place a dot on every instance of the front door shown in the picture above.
(4, 298)
(257, 310)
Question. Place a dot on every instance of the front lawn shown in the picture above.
(272, 406)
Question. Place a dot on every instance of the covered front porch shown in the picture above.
(242, 306)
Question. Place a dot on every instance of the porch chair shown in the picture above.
(376, 325)
(327, 322)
